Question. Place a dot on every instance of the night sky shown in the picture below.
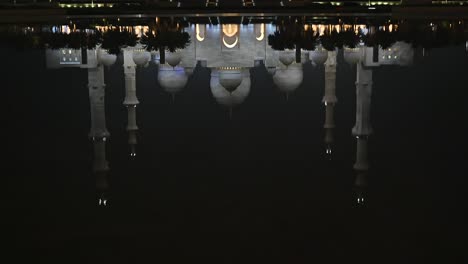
(254, 189)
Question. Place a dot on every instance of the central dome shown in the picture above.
(230, 78)
(230, 98)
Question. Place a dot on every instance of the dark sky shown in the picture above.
(256, 188)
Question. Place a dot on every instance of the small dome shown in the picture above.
(352, 55)
(141, 57)
(318, 56)
(287, 57)
(288, 79)
(230, 99)
(173, 58)
(230, 79)
(172, 80)
(105, 58)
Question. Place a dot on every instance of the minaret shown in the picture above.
(329, 99)
(131, 100)
(362, 129)
(98, 132)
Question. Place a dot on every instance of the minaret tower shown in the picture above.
(98, 132)
(329, 99)
(362, 129)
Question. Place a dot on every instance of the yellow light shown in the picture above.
(262, 32)
(230, 30)
(197, 31)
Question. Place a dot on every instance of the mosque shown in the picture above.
(230, 51)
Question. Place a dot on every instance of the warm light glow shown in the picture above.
(262, 32)
(337, 28)
(198, 36)
(230, 30)
(230, 46)
(65, 29)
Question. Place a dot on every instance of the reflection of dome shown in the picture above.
(288, 79)
(230, 79)
(287, 57)
(226, 98)
(172, 80)
(318, 56)
(141, 57)
(173, 58)
(352, 55)
(105, 58)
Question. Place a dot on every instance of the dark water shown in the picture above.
(254, 188)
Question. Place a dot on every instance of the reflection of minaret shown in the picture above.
(362, 129)
(131, 102)
(131, 57)
(329, 99)
(98, 132)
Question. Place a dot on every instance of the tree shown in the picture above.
(114, 40)
(165, 37)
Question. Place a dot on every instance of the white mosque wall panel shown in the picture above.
(64, 58)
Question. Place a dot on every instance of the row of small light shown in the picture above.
(229, 68)
(86, 5)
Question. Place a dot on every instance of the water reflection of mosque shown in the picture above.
(230, 51)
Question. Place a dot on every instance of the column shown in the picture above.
(98, 132)
(131, 100)
(362, 130)
(329, 99)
